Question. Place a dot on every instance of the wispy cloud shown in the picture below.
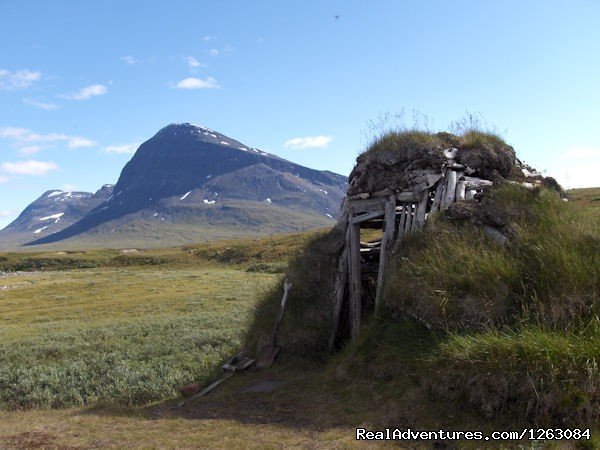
(197, 83)
(18, 80)
(213, 52)
(69, 187)
(27, 139)
(129, 59)
(4, 179)
(40, 105)
(207, 38)
(30, 167)
(308, 142)
(29, 150)
(120, 149)
(87, 92)
(228, 48)
(8, 213)
(194, 63)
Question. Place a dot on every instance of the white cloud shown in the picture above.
(228, 48)
(194, 63)
(69, 187)
(79, 142)
(213, 52)
(27, 138)
(30, 167)
(308, 142)
(207, 38)
(197, 83)
(40, 105)
(120, 149)
(17, 80)
(129, 59)
(7, 213)
(87, 92)
(3, 179)
(29, 150)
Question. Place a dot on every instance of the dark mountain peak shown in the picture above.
(187, 132)
(183, 158)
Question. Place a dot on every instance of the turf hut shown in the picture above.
(396, 185)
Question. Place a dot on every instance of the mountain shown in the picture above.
(53, 211)
(189, 177)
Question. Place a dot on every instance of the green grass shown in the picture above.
(532, 375)
(126, 335)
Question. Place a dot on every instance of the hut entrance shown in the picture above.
(378, 221)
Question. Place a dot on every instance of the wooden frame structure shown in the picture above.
(397, 213)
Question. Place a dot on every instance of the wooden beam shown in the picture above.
(367, 216)
(409, 217)
(402, 223)
(439, 194)
(366, 205)
(477, 183)
(421, 211)
(461, 189)
(388, 235)
(407, 196)
(450, 191)
(354, 280)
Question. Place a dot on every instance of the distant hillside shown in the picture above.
(191, 183)
(53, 211)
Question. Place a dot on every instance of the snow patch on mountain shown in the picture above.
(53, 216)
(39, 230)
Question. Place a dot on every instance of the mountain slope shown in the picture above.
(53, 211)
(186, 173)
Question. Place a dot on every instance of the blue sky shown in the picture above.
(83, 83)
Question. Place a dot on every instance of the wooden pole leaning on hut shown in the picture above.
(386, 240)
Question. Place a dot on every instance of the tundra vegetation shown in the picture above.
(471, 335)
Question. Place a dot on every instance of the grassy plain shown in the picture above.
(105, 337)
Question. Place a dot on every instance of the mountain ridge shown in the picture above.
(186, 173)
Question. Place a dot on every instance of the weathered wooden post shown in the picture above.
(386, 239)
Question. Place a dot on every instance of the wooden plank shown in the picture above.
(340, 290)
(402, 223)
(388, 235)
(421, 211)
(450, 191)
(406, 196)
(437, 198)
(369, 204)
(409, 218)
(479, 183)
(366, 216)
(461, 189)
(354, 280)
